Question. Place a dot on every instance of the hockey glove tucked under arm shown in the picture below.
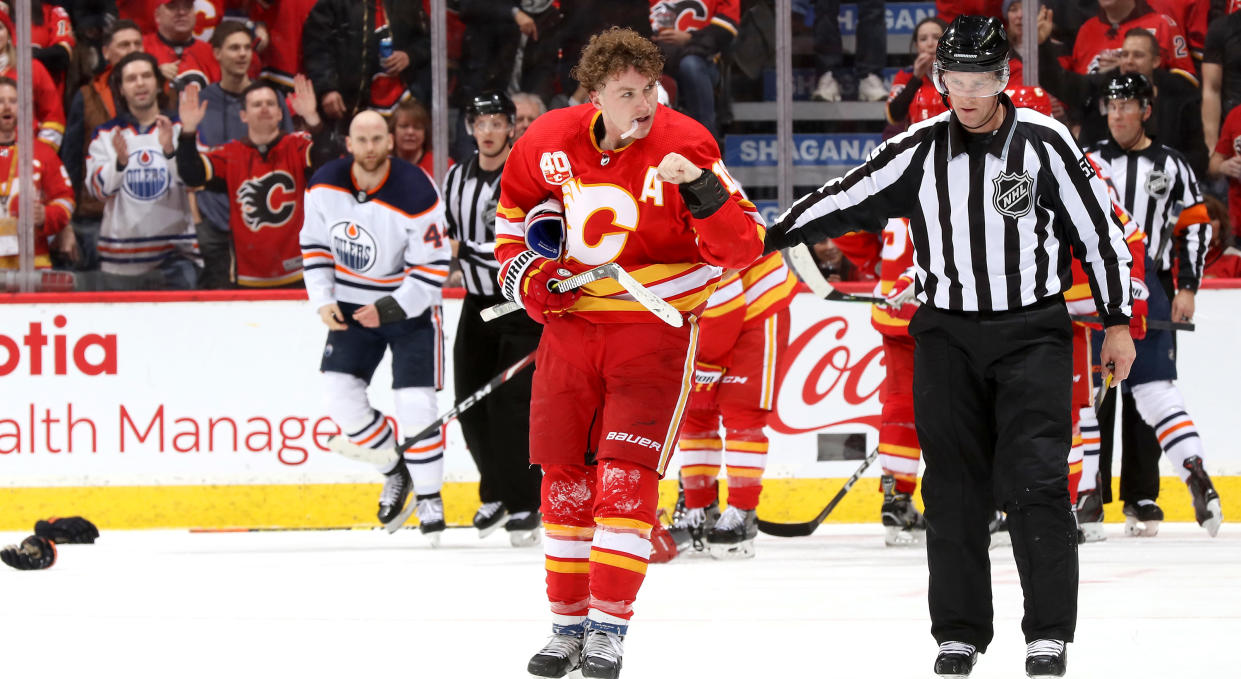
(706, 382)
(528, 279)
(35, 553)
(69, 530)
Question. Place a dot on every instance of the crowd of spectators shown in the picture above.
(108, 76)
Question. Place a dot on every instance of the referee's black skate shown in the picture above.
(489, 517)
(602, 655)
(431, 517)
(733, 535)
(392, 500)
(1207, 509)
(525, 529)
(955, 660)
(902, 523)
(1142, 518)
(1046, 658)
(998, 526)
(561, 655)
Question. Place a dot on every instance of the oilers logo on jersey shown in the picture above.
(352, 246)
(146, 176)
(269, 200)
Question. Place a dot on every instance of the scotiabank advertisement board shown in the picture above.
(228, 392)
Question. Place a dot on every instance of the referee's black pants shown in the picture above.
(497, 428)
(991, 400)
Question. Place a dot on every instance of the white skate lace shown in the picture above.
(489, 509)
(692, 518)
(956, 647)
(1044, 647)
(430, 510)
(604, 645)
(730, 519)
(562, 646)
(393, 485)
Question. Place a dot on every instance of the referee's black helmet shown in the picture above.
(972, 44)
(1130, 86)
(491, 102)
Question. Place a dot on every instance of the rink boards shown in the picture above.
(162, 411)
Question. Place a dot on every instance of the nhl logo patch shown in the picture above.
(1158, 183)
(1014, 194)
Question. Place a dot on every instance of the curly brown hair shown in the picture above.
(612, 52)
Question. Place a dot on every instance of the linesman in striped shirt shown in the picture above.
(1157, 187)
(998, 199)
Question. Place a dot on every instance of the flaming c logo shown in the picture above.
(269, 200)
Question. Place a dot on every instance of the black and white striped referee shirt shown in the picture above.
(1160, 192)
(471, 195)
(992, 219)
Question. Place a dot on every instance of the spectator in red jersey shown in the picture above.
(172, 43)
(54, 201)
(1099, 41)
(51, 37)
(1223, 258)
(265, 175)
(282, 53)
(1221, 73)
(1226, 161)
(341, 42)
(411, 131)
(915, 81)
(835, 267)
(1191, 17)
(49, 111)
(951, 9)
(691, 35)
(93, 106)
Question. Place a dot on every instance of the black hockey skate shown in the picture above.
(1046, 658)
(1207, 509)
(694, 523)
(998, 526)
(602, 655)
(902, 523)
(733, 535)
(1142, 518)
(561, 655)
(489, 517)
(955, 660)
(1090, 516)
(393, 512)
(525, 529)
(431, 517)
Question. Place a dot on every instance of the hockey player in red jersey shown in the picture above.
(265, 176)
(745, 329)
(644, 187)
(1098, 43)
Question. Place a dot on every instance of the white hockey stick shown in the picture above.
(802, 261)
(653, 303)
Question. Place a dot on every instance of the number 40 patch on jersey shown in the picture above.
(555, 167)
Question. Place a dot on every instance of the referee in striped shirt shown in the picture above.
(496, 430)
(998, 199)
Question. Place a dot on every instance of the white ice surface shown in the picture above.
(369, 605)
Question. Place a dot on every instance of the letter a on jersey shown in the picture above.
(1014, 193)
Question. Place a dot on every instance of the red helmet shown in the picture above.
(927, 103)
(1030, 97)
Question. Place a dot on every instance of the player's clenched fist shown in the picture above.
(676, 169)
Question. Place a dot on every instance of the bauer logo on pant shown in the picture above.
(352, 246)
(634, 439)
(1014, 193)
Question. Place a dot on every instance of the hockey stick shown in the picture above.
(800, 259)
(797, 530)
(654, 303)
(1152, 323)
(343, 446)
(1101, 392)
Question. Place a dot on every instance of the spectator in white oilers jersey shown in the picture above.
(376, 258)
(147, 239)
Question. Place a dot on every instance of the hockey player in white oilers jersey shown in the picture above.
(375, 260)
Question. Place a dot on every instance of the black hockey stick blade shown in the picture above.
(801, 530)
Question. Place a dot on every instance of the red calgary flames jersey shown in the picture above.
(265, 194)
(617, 210)
(695, 15)
(52, 184)
(1097, 35)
